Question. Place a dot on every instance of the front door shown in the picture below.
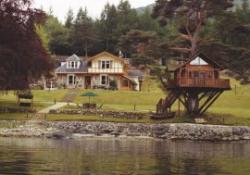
(71, 80)
(87, 82)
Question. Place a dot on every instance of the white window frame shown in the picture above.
(73, 64)
(73, 79)
(106, 80)
(106, 64)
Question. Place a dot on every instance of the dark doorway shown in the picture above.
(87, 82)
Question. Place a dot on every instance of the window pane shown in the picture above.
(107, 64)
(103, 80)
(103, 64)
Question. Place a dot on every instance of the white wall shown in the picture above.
(117, 66)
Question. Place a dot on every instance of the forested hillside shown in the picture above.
(224, 37)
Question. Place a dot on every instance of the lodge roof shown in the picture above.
(73, 57)
(104, 53)
(82, 69)
(135, 73)
(202, 56)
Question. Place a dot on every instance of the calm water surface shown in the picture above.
(99, 156)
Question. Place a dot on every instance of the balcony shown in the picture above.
(199, 83)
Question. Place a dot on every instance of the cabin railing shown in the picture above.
(206, 83)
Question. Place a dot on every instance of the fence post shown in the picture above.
(235, 89)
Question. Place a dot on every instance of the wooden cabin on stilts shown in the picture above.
(196, 84)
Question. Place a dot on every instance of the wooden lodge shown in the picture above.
(196, 84)
(199, 72)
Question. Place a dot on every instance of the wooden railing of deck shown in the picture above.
(206, 83)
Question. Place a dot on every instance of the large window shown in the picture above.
(106, 64)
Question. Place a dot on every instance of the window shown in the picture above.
(183, 72)
(89, 64)
(72, 80)
(195, 74)
(73, 64)
(105, 64)
(104, 80)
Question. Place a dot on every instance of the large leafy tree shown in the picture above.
(192, 16)
(22, 55)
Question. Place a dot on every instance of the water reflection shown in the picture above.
(122, 157)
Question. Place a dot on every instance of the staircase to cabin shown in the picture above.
(165, 104)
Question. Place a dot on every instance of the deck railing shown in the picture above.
(205, 83)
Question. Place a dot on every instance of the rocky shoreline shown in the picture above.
(59, 130)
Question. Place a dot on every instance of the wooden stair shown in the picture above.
(164, 105)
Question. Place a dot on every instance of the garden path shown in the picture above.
(53, 107)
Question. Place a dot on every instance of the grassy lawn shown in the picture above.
(232, 108)
(126, 100)
(91, 118)
(42, 99)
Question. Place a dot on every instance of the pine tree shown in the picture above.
(69, 18)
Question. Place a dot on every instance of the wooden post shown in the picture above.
(135, 107)
(235, 89)
(179, 108)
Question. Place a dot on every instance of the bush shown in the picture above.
(113, 85)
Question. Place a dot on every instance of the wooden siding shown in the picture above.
(200, 83)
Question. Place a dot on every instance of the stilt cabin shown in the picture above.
(199, 72)
(196, 83)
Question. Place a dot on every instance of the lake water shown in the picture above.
(130, 156)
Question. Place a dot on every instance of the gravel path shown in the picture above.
(54, 107)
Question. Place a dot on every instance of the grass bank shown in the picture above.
(232, 108)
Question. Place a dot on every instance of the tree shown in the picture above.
(192, 16)
(83, 33)
(107, 27)
(22, 55)
(127, 18)
(69, 19)
(58, 36)
(143, 47)
(231, 41)
(43, 36)
(147, 23)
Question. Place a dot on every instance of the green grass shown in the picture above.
(235, 104)
(14, 116)
(89, 118)
(42, 99)
(232, 108)
(126, 100)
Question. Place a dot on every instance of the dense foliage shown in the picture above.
(216, 28)
(82, 35)
(187, 26)
(22, 55)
